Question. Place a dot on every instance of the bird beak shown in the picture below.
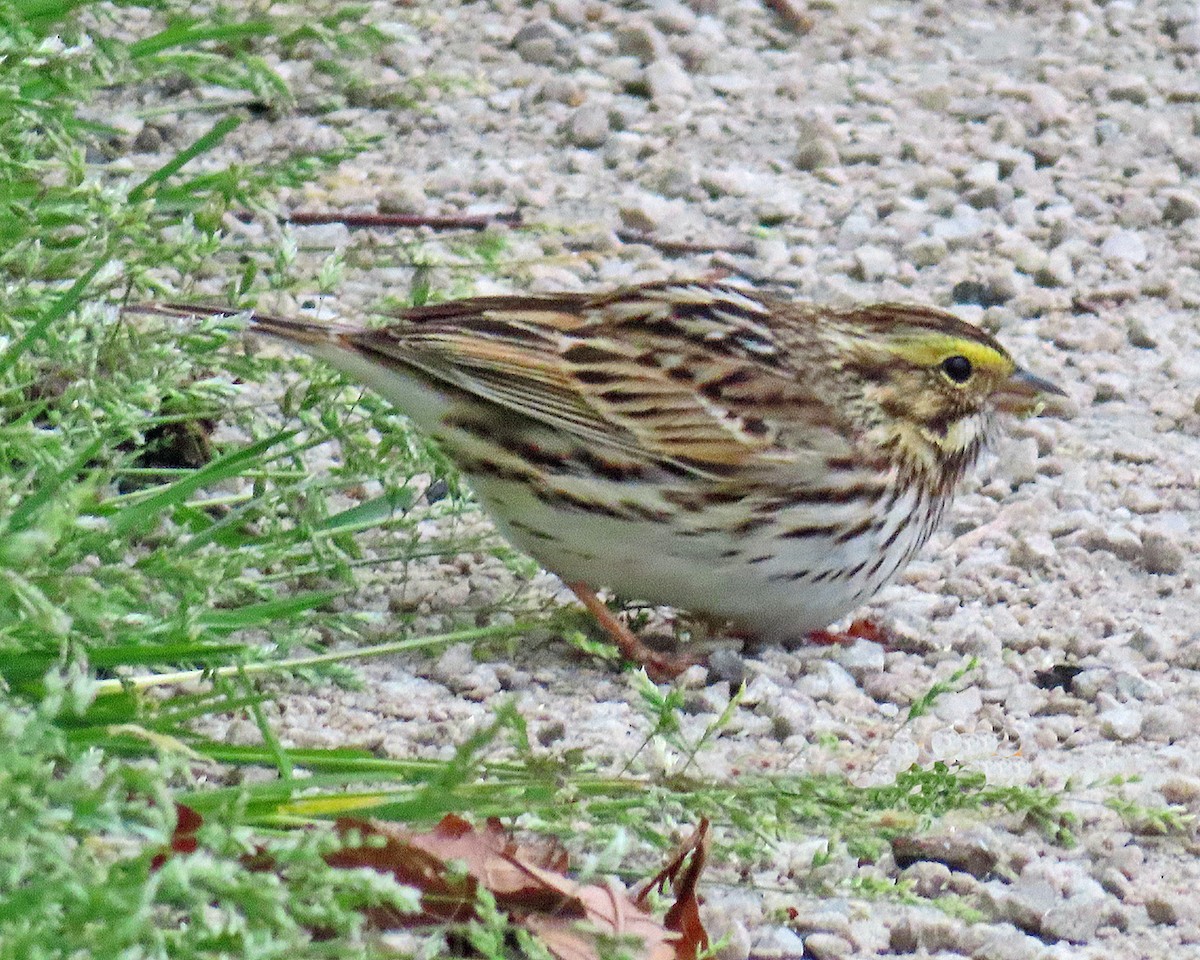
(1023, 393)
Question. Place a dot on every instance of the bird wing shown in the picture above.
(691, 373)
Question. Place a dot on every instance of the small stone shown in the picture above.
(982, 174)
(968, 852)
(1033, 551)
(1181, 206)
(667, 79)
(588, 127)
(1161, 553)
(926, 251)
(645, 213)
(990, 292)
(403, 198)
(1130, 88)
(543, 41)
(1121, 723)
(569, 11)
(735, 940)
(1133, 450)
(562, 89)
(1017, 461)
(861, 657)
(814, 148)
(1148, 640)
(1138, 334)
(780, 942)
(1125, 245)
(826, 946)
(1074, 920)
(728, 665)
(872, 264)
(929, 879)
(1056, 271)
(641, 39)
(1117, 540)
(1162, 910)
(1181, 789)
(1187, 39)
(148, 140)
(670, 16)
(961, 229)
(827, 681)
(1167, 725)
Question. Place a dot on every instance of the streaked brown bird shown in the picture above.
(746, 458)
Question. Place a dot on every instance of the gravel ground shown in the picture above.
(1031, 165)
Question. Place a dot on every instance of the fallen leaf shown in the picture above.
(571, 919)
(683, 873)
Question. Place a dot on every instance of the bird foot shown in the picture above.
(660, 667)
(858, 630)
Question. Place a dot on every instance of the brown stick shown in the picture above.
(744, 247)
(511, 218)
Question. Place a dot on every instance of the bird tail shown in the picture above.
(300, 332)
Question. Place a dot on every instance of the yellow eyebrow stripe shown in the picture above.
(929, 351)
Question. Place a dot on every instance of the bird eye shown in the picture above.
(957, 368)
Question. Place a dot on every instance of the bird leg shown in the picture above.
(660, 667)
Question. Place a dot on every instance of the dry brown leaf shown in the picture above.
(570, 918)
(450, 863)
(683, 873)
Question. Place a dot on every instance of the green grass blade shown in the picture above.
(143, 513)
(259, 614)
(220, 130)
(67, 302)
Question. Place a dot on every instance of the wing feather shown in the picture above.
(691, 373)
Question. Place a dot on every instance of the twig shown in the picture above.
(744, 247)
(511, 218)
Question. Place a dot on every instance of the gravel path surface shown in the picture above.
(1033, 166)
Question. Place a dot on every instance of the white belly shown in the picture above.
(780, 588)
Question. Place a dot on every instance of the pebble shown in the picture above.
(1125, 245)
(990, 292)
(588, 127)
(814, 149)
(926, 251)
(1139, 334)
(1075, 920)
(1117, 540)
(779, 942)
(640, 39)
(667, 80)
(1129, 87)
(1121, 723)
(543, 41)
(872, 264)
(827, 946)
(827, 681)
(728, 665)
(1017, 461)
(973, 852)
(646, 212)
(671, 16)
(1180, 207)
(1161, 553)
